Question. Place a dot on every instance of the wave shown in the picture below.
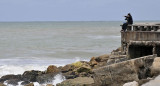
(57, 79)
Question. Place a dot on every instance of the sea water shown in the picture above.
(36, 45)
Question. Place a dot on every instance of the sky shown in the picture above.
(78, 10)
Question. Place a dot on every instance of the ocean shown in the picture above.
(36, 45)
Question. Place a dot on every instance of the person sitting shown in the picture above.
(129, 20)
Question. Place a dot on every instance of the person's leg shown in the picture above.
(125, 26)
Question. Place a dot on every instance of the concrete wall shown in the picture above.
(140, 36)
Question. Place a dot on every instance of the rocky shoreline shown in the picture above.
(113, 69)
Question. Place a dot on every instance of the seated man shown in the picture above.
(129, 20)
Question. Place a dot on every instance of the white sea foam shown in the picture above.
(19, 69)
(58, 79)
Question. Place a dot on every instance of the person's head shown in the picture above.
(129, 14)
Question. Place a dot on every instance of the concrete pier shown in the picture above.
(141, 40)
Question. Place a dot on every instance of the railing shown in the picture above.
(142, 27)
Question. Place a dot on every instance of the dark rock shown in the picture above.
(44, 78)
(123, 72)
(25, 82)
(31, 76)
(67, 68)
(70, 75)
(79, 81)
(86, 69)
(9, 77)
(13, 81)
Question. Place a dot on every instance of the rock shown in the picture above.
(153, 82)
(102, 58)
(93, 62)
(123, 72)
(1, 84)
(25, 82)
(143, 81)
(30, 84)
(155, 69)
(70, 75)
(13, 81)
(45, 78)
(81, 69)
(134, 83)
(79, 81)
(31, 76)
(76, 69)
(67, 68)
(52, 69)
(49, 85)
(118, 49)
(116, 59)
(9, 77)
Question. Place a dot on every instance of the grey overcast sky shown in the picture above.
(78, 10)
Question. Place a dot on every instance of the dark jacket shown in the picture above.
(130, 20)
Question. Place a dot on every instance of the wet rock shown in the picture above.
(52, 69)
(9, 77)
(30, 84)
(13, 81)
(44, 78)
(31, 76)
(79, 81)
(123, 72)
(25, 82)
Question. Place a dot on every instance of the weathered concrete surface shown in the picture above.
(140, 36)
(123, 72)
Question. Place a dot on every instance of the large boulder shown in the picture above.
(52, 69)
(10, 77)
(67, 68)
(80, 68)
(31, 76)
(123, 72)
(45, 78)
(80, 81)
(99, 61)
(155, 69)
